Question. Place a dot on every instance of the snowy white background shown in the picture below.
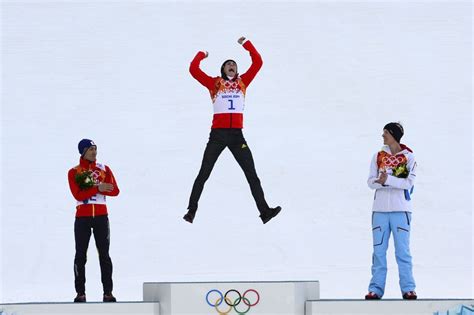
(334, 73)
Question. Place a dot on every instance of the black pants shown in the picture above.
(82, 235)
(232, 138)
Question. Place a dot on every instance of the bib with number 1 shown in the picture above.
(230, 98)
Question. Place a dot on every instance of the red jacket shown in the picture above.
(218, 85)
(87, 204)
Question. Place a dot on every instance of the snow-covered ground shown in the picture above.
(334, 73)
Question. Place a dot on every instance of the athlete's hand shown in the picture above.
(241, 40)
(105, 187)
(382, 179)
(205, 54)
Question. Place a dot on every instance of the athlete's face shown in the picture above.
(230, 69)
(388, 139)
(91, 154)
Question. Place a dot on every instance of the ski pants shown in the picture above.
(83, 227)
(219, 139)
(398, 224)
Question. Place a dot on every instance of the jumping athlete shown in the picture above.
(228, 97)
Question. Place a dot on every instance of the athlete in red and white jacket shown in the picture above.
(228, 99)
(92, 216)
(228, 91)
(92, 202)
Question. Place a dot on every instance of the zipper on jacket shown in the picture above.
(93, 210)
(231, 120)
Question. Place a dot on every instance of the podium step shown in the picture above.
(89, 308)
(388, 307)
(259, 298)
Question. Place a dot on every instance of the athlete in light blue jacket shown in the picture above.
(392, 175)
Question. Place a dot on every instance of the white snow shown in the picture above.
(334, 74)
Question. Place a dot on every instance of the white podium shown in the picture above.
(262, 298)
(388, 307)
(89, 308)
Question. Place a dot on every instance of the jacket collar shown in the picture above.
(86, 163)
(404, 150)
(404, 147)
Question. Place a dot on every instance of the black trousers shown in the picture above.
(83, 227)
(232, 138)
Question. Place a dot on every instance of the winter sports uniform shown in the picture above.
(228, 96)
(92, 215)
(392, 210)
(228, 99)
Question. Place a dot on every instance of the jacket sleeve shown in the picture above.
(257, 63)
(404, 183)
(374, 174)
(109, 178)
(79, 194)
(198, 74)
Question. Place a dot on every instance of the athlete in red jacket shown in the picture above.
(90, 182)
(228, 98)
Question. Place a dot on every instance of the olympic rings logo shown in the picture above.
(392, 161)
(233, 299)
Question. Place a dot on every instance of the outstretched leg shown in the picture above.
(244, 157)
(212, 152)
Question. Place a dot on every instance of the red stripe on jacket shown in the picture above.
(226, 120)
(89, 210)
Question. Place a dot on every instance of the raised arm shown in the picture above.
(257, 61)
(198, 74)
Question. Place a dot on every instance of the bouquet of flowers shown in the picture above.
(400, 171)
(85, 180)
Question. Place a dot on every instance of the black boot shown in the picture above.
(268, 214)
(108, 297)
(410, 295)
(80, 298)
(190, 216)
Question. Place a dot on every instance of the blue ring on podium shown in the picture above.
(219, 301)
